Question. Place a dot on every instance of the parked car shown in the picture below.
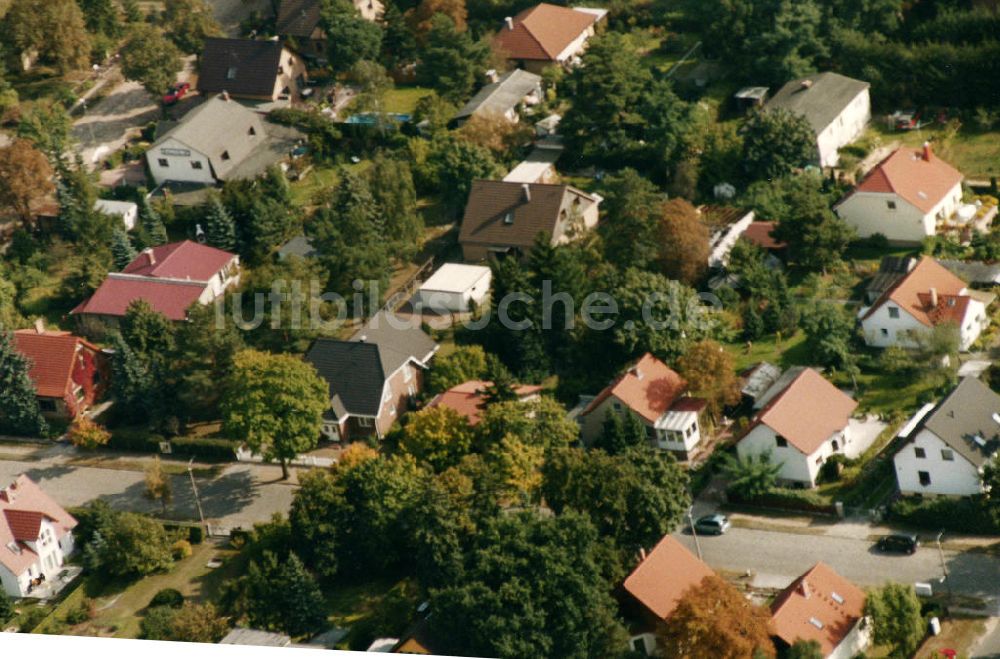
(902, 543)
(712, 524)
(176, 93)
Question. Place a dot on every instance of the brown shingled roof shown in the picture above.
(819, 606)
(662, 577)
(543, 31)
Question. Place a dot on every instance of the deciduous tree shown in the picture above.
(25, 178)
(150, 59)
(188, 23)
(158, 486)
(54, 29)
(683, 241)
(776, 142)
(711, 374)
(451, 60)
(439, 436)
(349, 37)
(895, 614)
(464, 364)
(197, 623)
(88, 434)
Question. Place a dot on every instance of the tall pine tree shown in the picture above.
(121, 249)
(220, 229)
(152, 223)
(19, 410)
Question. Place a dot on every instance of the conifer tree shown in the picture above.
(152, 223)
(121, 249)
(19, 410)
(220, 229)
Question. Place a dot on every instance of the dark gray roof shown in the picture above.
(974, 272)
(399, 340)
(297, 246)
(777, 386)
(964, 421)
(503, 95)
(820, 98)
(241, 67)
(298, 18)
(889, 271)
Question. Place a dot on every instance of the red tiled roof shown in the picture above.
(819, 606)
(649, 388)
(912, 293)
(542, 32)
(807, 412)
(759, 233)
(23, 506)
(663, 576)
(919, 177)
(171, 298)
(52, 356)
(467, 398)
(182, 260)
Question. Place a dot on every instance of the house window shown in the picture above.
(884, 331)
(835, 445)
(893, 312)
(225, 155)
(508, 218)
(195, 164)
(407, 373)
(919, 452)
(617, 406)
(364, 421)
(47, 405)
(947, 455)
(252, 131)
(163, 162)
(819, 461)
(780, 441)
(231, 73)
(891, 205)
(925, 478)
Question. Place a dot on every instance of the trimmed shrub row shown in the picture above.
(966, 515)
(789, 499)
(141, 441)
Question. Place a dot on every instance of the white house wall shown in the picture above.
(843, 130)
(896, 329)
(869, 213)
(179, 166)
(795, 466)
(854, 643)
(956, 477)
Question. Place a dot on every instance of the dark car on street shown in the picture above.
(898, 543)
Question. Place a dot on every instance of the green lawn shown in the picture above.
(975, 153)
(404, 99)
(790, 352)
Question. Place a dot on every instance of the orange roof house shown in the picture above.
(69, 373)
(656, 394)
(803, 419)
(905, 197)
(547, 34)
(663, 575)
(467, 398)
(821, 606)
(926, 296)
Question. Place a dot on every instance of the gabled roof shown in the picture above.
(965, 414)
(542, 32)
(759, 233)
(503, 95)
(170, 297)
(819, 606)
(23, 508)
(916, 175)
(52, 355)
(298, 18)
(806, 411)
(467, 398)
(356, 370)
(505, 213)
(221, 130)
(820, 98)
(181, 260)
(662, 577)
(649, 388)
(241, 67)
(911, 292)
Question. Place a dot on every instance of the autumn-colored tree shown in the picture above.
(54, 29)
(85, 433)
(493, 131)
(354, 455)
(714, 620)
(158, 483)
(420, 16)
(710, 374)
(197, 623)
(439, 436)
(25, 177)
(683, 242)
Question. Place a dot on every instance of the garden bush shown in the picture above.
(966, 515)
(196, 535)
(790, 499)
(167, 597)
(141, 440)
(181, 549)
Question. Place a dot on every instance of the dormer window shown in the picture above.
(815, 622)
(225, 155)
(231, 73)
(252, 131)
(508, 218)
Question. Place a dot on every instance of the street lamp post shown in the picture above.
(694, 531)
(944, 570)
(197, 499)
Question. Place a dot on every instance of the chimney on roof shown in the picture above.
(934, 298)
(224, 95)
(526, 188)
(149, 255)
(39, 326)
(510, 23)
(364, 338)
(642, 553)
(927, 151)
(804, 589)
(806, 84)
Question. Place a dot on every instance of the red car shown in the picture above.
(176, 93)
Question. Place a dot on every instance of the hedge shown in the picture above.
(141, 441)
(966, 515)
(789, 499)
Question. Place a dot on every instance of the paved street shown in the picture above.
(240, 495)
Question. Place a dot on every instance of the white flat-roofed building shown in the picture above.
(455, 287)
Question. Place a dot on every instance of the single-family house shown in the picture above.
(948, 444)
(837, 108)
(299, 20)
(759, 233)
(890, 270)
(127, 210)
(253, 69)
(468, 398)
(803, 420)
(656, 395)
(36, 537)
(657, 585)
(926, 296)
(218, 141)
(904, 198)
(505, 98)
(504, 218)
(545, 34)
(373, 376)
(824, 607)
(455, 288)
(169, 277)
(69, 373)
